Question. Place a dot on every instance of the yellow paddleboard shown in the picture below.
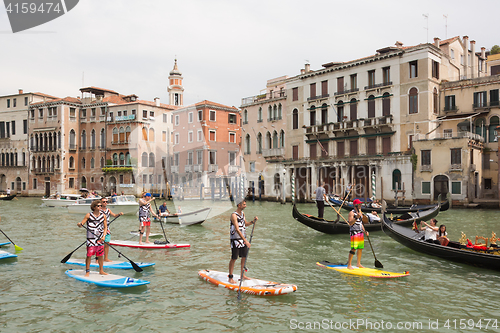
(375, 273)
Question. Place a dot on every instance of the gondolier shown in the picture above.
(320, 199)
(356, 231)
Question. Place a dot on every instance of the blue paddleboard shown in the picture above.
(6, 255)
(6, 243)
(110, 264)
(110, 280)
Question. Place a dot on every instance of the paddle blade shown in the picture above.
(378, 264)
(67, 257)
(135, 267)
(18, 248)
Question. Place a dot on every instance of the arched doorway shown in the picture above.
(3, 183)
(441, 186)
(84, 182)
(112, 184)
(18, 185)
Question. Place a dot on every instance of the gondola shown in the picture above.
(340, 227)
(7, 197)
(395, 210)
(453, 251)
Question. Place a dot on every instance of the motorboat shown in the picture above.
(126, 204)
(189, 218)
(61, 200)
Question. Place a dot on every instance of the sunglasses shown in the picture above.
(104, 202)
(99, 205)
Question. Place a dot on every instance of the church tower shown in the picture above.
(175, 89)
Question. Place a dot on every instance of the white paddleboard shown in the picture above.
(110, 280)
(136, 244)
(110, 264)
(151, 235)
(6, 255)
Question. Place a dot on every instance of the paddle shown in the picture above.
(378, 264)
(134, 265)
(245, 262)
(18, 248)
(161, 224)
(338, 212)
(69, 255)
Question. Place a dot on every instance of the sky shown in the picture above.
(226, 50)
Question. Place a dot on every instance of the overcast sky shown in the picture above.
(226, 50)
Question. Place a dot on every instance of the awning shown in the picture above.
(463, 115)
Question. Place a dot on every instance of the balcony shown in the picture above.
(197, 168)
(350, 124)
(480, 105)
(213, 168)
(263, 97)
(426, 168)
(448, 108)
(378, 85)
(310, 99)
(456, 167)
(72, 146)
(448, 135)
(174, 169)
(273, 152)
(188, 168)
(345, 92)
(44, 171)
(233, 169)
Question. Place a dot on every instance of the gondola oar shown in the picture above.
(18, 248)
(243, 268)
(71, 253)
(134, 265)
(338, 212)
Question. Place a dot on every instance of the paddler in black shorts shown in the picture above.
(239, 243)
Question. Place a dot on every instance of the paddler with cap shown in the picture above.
(145, 212)
(357, 231)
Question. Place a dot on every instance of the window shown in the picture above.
(164, 136)
(456, 156)
(40, 113)
(212, 115)
(295, 152)
(144, 114)
(426, 157)
(312, 116)
(151, 160)
(259, 116)
(83, 163)
(92, 112)
(487, 183)
(71, 183)
(200, 136)
(353, 148)
(8, 103)
(312, 151)
(92, 164)
(324, 88)
(452, 53)
(448, 133)
(245, 116)
(386, 75)
(340, 148)
(494, 98)
(340, 85)
(386, 145)
(25, 126)
(456, 187)
(340, 111)
(14, 100)
(200, 115)
(371, 78)
(176, 140)
(295, 94)
(232, 118)
(295, 119)
(259, 143)
(151, 134)
(480, 99)
(13, 123)
(371, 106)
(312, 88)
(103, 111)
(372, 147)
(32, 114)
(211, 136)
(190, 117)
(71, 162)
(190, 158)
(413, 101)
(494, 123)
(232, 158)
(25, 101)
(212, 157)
(232, 137)
(449, 103)
(353, 107)
(84, 140)
(115, 134)
(176, 120)
(199, 157)
(386, 104)
(190, 136)
(83, 113)
(413, 69)
(435, 101)
(252, 167)
(324, 114)
(435, 69)
(396, 179)
(354, 81)
(72, 112)
(426, 187)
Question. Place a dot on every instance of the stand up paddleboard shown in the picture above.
(375, 273)
(136, 244)
(6, 243)
(110, 264)
(151, 235)
(110, 280)
(252, 286)
(6, 255)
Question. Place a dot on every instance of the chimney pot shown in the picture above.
(302, 71)
(20, 91)
(308, 68)
(157, 101)
(436, 41)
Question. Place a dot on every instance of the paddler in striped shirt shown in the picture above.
(356, 230)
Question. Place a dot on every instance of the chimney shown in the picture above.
(436, 42)
(398, 44)
(157, 101)
(20, 91)
(473, 58)
(483, 52)
(302, 71)
(308, 68)
(466, 56)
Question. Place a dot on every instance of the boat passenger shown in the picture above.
(431, 231)
(442, 235)
(376, 204)
(163, 210)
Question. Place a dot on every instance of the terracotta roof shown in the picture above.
(449, 40)
(65, 99)
(44, 95)
(93, 90)
(215, 104)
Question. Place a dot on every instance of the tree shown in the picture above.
(495, 49)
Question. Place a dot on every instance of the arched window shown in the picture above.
(122, 159)
(115, 159)
(58, 162)
(121, 134)
(102, 139)
(151, 160)
(72, 139)
(324, 114)
(269, 141)
(102, 162)
(280, 111)
(396, 179)
(83, 163)
(295, 119)
(259, 143)
(245, 116)
(84, 140)
(58, 140)
(127, 133)
(275, 113)
(340, 111)
(275, 140)
(259, 115)
(92, 139)
(353, 108)
(71, 162)
(282, 139)
(115, 134)
(480, 127)
(144, 161)
(492, 129)
(92, 163)
(84, 181)
(145, 134)
(435, 101)
(270, 113)
(247, 144)
(151, 134)
(386, 104)
(127, 159)
(371, 106)
(413, 99)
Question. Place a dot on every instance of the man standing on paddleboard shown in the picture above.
(237, 235)
(356, 230)
(145, 212)
(97, 226)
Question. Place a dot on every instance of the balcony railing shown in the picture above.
(273, 152)
(213, 168)
(378, 85)
(456, 167)
(72, 146)
(448, 135)
(350, 124)
(174, 168)
(313, 98)
(343, 92)
(40, 171)
(263, 97)
(426, 168)
(479, 105)
(197, 168)
(450, 108)
(188, 168)
(233, 168)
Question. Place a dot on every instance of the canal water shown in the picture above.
(438, 296)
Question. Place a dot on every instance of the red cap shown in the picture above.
(357, 202)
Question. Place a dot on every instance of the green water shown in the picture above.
(36, 295)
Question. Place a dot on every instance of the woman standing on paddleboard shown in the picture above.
(108, 213)
(97, 226)
(145, 212)
(237, 235)
(356, 230)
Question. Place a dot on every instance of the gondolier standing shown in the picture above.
(356, 230)
(320, 199)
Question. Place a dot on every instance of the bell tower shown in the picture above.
(175, 88)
